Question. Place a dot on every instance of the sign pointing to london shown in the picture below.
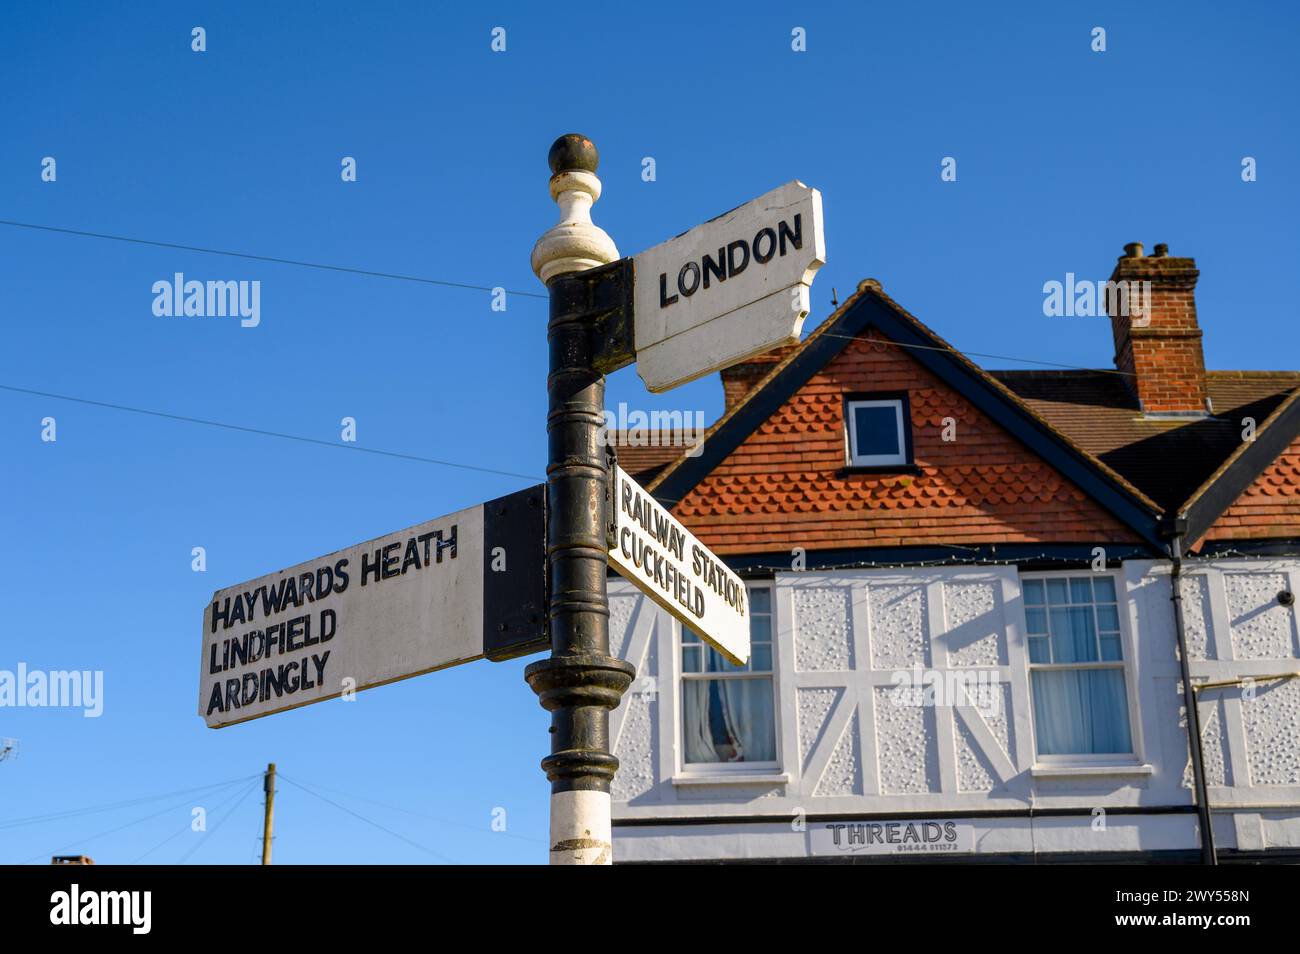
(728, 289)
(467, 586)
(655, 551)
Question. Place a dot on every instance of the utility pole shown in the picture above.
(268, 786)
(580, 683)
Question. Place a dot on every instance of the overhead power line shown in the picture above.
(189, 825)
(112, 806)
(265, 433)
(265, 258)
(432, 818)
(466, 285)
(211, 831)
(372, 823)
(103, 834)
(976, 354)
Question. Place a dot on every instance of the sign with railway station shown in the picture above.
(655, 551)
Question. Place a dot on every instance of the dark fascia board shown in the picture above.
(1276, 434)
(1258, 549)
(935, 356)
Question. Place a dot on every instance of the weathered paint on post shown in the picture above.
(580, 683)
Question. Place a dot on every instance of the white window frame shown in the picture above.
(1128, 664)
(875, 460)
(719, 771)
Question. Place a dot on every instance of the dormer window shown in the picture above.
(879, 433)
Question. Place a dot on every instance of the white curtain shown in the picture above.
(695, 708)
(729, 720)
(1081, 712)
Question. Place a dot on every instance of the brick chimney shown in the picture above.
(739, 379)
(1158, 341)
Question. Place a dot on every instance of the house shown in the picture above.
(965, 645)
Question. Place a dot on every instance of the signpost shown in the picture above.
(529, 570)
(463, 587)
(724, 291)
(653, 549)
(729, 289)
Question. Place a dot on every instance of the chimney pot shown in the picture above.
(1161, 250)
(1133, 250)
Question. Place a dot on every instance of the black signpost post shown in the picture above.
(581, 682)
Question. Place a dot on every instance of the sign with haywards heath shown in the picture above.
(728, 289)
(654, 550)
(467, 586)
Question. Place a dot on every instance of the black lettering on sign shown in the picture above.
(732, 259)
(664, 299)
(369, 566)
(390, 562)
(795, 237)
(692, 269)
(732, 268)
(289, 678)
(718, 269)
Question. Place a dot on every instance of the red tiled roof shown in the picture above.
(787, 478)
(786, 485)
(1166, 458)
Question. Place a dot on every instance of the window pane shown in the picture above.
(760, 628)
(1073, 635)
(1058, 592)
(1038, 650)
(1107, 618)
(1034, 592)
(760, 600)
(1105, 586)
(876, 430)
(688, 636)
(715, 662)
(728, 720)
(690, 659)
(1111, 650)
(760, 659)
(1080, 589)
(1036, 620)
(1080, 712)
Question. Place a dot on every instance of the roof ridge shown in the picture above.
(1246, 375)
(1185, 507)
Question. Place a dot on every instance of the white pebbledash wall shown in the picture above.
(845, 748)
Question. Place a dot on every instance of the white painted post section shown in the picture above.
(575, 244)
(580, 818)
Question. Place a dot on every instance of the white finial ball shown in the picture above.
(575, 244)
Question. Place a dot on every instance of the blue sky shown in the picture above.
(1063, 155)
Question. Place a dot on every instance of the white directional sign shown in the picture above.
(654, 550)
(466, 586)
(729, 289)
